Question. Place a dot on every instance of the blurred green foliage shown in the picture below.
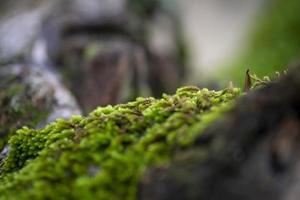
(274, 43)
(144, 7)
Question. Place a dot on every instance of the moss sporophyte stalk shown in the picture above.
(103, 155)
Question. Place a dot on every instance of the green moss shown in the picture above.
(103, 155)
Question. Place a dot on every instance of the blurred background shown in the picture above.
(111, 51)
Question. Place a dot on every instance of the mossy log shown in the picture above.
(195, 144)
(252, 153)
(103, 155)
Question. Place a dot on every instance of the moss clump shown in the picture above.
(102, 156)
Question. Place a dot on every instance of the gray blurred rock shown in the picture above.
(42, 86)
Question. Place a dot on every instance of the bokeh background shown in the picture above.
(111, 51)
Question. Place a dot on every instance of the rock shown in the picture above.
(31, 96)
(27, 16)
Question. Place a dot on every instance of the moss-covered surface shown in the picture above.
(241, 156)
(102, 156)
(274, 42)
(18, 107)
